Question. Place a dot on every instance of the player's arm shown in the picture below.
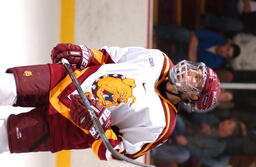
(131, 54)
(119, 144)
(203, 34)
(79, 56)
(192, 48)
(80, 116)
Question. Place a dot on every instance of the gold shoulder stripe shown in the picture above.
(168, 65)
(168, 122)
(98, 55)
(166, 69)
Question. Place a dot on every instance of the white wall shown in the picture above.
(30, 28)
(113, 23)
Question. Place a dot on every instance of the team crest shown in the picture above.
(113, 89)
(27, 73)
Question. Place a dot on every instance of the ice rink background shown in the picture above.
(29, 30)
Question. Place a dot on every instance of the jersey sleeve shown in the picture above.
(207, 34)
(130, 54)
(107, 55)
(132, 142)
(101, 151)
(136, 141)
(125, 147)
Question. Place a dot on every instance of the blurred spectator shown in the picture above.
(241, 145)
(226, 100)
(202, 138)
(236, 16)
(226, 96)
(246, 143)
(225, 75)
(199, 45)
(247, 58)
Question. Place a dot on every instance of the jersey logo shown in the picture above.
(151, 62)
(113, 89)
(27, 73)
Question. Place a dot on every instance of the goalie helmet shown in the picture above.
(197, 79)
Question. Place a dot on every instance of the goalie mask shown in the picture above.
(197, 79)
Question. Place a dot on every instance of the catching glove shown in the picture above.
(81, 116)
(79, 56)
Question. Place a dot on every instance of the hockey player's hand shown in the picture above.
(79, 56)
(81, 116)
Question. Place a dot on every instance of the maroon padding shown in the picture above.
(26, 131)
(33, 83)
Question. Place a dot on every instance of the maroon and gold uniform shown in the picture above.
(127, 81)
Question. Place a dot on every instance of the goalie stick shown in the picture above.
(95, 119)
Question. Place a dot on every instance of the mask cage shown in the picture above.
(181, 71)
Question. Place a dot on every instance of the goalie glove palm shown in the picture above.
(81, 116)
(79, 56)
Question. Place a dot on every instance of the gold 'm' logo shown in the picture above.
(27, 73)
